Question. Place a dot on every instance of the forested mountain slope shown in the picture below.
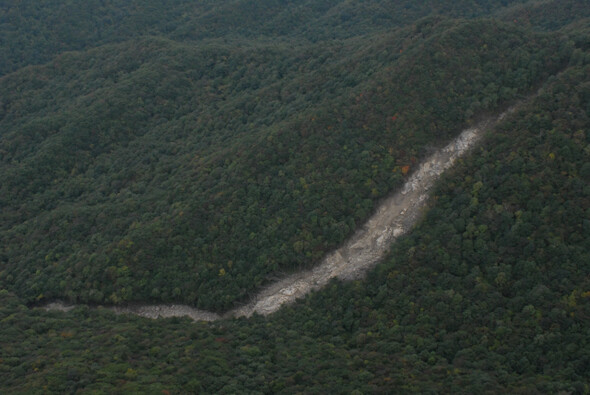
(490, 293)
(165, 171)
(33, 32)
(183, 153)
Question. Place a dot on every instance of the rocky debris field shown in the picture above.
(394, 217)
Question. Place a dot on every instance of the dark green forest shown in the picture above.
(157, 170)
(193, 152)
(34, 32)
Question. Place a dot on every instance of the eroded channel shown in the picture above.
(394, 217)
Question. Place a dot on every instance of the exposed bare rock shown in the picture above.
(166, 311)
(58, 306)
(371, 242)
(395, 216)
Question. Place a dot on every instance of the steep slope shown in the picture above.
(155, 170)
(490, 293)
(393, 217)
(104, 199)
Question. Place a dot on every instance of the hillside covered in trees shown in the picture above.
(161, 170)
(195, 152)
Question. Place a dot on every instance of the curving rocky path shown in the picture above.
(394, 217)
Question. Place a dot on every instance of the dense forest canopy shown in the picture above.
(193, 152)
(33, 32)
(156, 170)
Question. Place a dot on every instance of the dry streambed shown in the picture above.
(370, 243)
